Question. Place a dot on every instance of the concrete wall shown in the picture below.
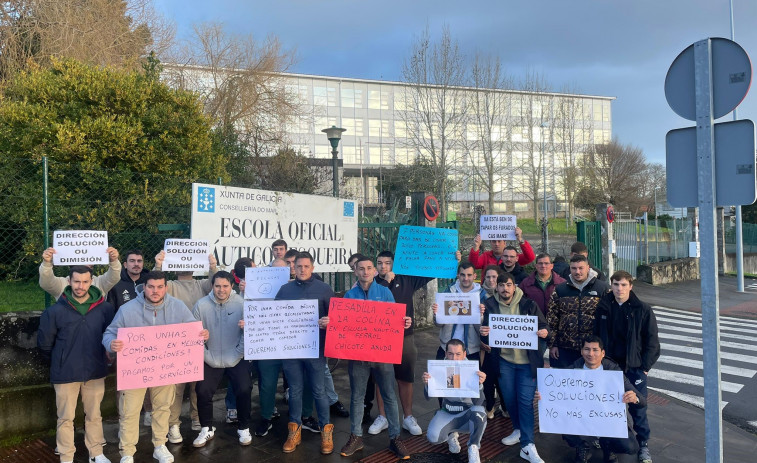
(670, 271)
(750, 263)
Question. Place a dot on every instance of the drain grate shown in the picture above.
(34, 451)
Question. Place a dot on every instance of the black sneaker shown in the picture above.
(263, 428)
(583, 455)
(398, 447)
(338, 409)
(354, 443)
(276, 414)
(311, 424)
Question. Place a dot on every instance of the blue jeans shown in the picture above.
(329, 386)
(268, 378)
(639, 414)
(296, 370)
(383, 375)
(518, 388)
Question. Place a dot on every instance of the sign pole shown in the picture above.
(708, 263)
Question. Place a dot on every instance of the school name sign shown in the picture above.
(242, 222)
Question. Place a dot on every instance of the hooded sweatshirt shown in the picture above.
(141, 312)
(516, 356)
(225, 347)
(466, 333)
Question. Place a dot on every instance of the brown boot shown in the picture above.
(327, 441)
(294, 438)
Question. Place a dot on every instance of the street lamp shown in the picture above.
(545, 223)
(334, 134)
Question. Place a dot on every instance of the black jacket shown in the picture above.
(526, 307)
(309, 289)
(126, 289)
(73, 342)
(610, 365)
(629, 332)
(518, 273)
(403, 287)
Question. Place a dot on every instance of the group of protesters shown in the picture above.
(585, 323)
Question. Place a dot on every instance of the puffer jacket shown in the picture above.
(571, 311)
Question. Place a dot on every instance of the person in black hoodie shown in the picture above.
(132, 274)
(510, 264)
(628, 329)
(70, 336)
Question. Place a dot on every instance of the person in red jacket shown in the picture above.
(540, 285)
(494, 257)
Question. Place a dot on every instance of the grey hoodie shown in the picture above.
(140, 312)
(225, 347)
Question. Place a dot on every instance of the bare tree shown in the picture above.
(436, 106)
(616, 171)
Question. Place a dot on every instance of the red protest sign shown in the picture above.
(365, 330)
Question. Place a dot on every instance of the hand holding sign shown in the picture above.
(498, 227)
(182, 255)
(366, 330)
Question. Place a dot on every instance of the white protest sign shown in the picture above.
(281, 330)
(242, 222)
(498, 227)
(458, 308)
(582, 402)
(184, 255)
(453, 378)
(80, 247)
(513, 331)
(264, 282)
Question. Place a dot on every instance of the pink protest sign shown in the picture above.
(160, 355)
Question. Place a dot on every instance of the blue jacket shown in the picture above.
(309, 289)
(376, 292)
(73, 342)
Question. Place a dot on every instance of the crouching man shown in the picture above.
(458, 414)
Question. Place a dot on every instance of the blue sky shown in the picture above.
(599, 47)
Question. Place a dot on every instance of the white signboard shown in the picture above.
(186, 255)
(241, 222)
(513, 331)
(80, 247)
(264, 282)
(458, 308)
(281, 330)
(453, 378)
(582, 402)
(498, 227)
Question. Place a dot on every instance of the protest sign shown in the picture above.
(281, 330)
(365, 330)
(186, 255)
(80, 247)
(264, 282)
(160, 355)
(498, 227)
(242, 222)
(582, 402)
(457, 308)
(426, 252)
(453, 378)
(513, 331)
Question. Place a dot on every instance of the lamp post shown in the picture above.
(656, 224)
(545, 230)
(334, 134)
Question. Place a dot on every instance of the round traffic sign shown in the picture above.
(731, 77)
(610, 214)
(431, 208)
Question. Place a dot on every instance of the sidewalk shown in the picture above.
(677, 434)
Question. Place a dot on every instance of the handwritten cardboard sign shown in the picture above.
(281, 329)
(426, 252)
(186, 255)
(453, 378)
(498, 227)
(582, 402)
(365, 330)
(513, 331)
(264, 282)
(160, 355)
(80, 247)
(458, 308)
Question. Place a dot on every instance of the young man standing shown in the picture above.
(132, 274)
(466, 283)
(494, 257)
(628, 328)
(540, 285)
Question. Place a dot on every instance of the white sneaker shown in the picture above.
(127, 459)
(244, 436)
(411, 425)
(529, 453)
(379, 424)
(196, 426)
(206, 434)
(513, 438)
(162, 454)
(147, 420)
(174, 435)
(99, 459)
(453, 443)
(473, 454)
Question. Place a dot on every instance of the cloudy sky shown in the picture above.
(600, 47)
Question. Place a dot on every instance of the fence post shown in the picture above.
(45, 217)
(608, 263)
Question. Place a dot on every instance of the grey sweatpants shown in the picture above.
(444, 423)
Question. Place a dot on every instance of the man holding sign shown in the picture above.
(517, 367)
(54, 286)
(150, 308)
(468, 333)
(496, 255)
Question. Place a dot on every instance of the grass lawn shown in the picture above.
(21, 296)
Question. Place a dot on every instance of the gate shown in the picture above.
(590, 233)
(630, 246)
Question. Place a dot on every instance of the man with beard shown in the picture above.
(132, 274)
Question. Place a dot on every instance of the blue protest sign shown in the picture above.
(426, 252)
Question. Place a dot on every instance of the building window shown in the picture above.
(374, 99)
(348, 98)
(520, 207)
(320, 96)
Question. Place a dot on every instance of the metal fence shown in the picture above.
(748, 237)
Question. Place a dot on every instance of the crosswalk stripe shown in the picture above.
(726, 386)
(679, 329)
(732, 345)
(692, 399)
(689, 363)
(698, 351)
(724, 320)
(699, 324)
